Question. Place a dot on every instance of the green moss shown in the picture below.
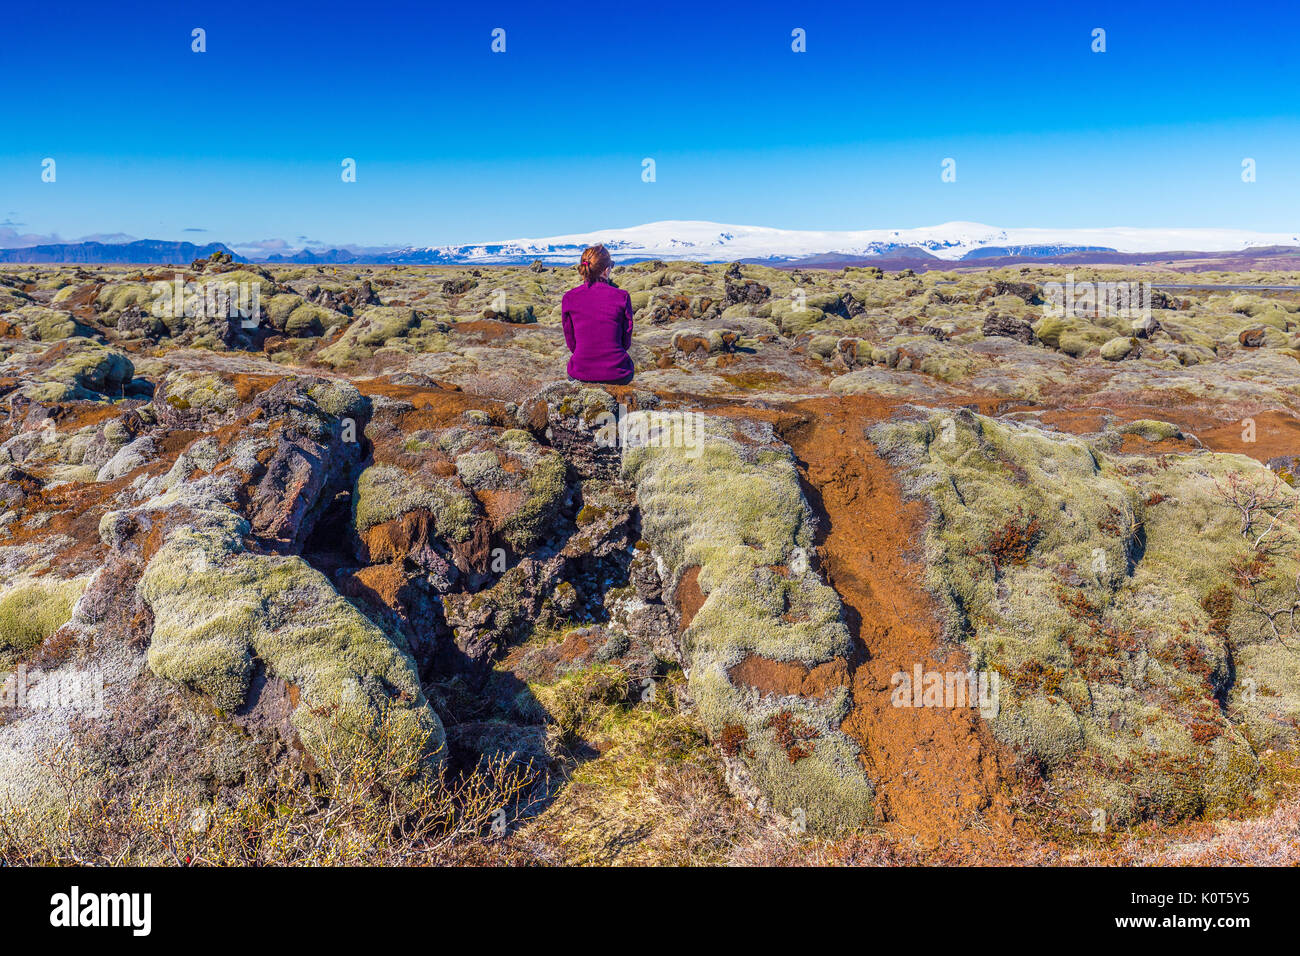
(337, 398)
(735, 511)
(379, 324)
(201, 392)
(33, 610)
(309, 320)
(681, 488)
(1082, 338)
(1112, 652)
(343, 353)
(92, 368)
(245, 275)
(517, 439)
(277, 308)
(577, 698)
(479, 468)
(1113, 350)
(612, 809)
(415, 445)
(1250, 304)
(1043, 727)
(593, 402)
(823, 346)
(217, 608)
(791, 318)
(1071, 335)
(545, 488)
(120, 296)
(590, 514)
(458, 439)
(514, 314)
(385, 493)
(948, 363)
(1152, 430)
(47, 393)
(376, 327)
(49, 325)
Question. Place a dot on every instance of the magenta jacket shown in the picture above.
(598, 330)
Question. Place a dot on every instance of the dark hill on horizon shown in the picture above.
(140, 252)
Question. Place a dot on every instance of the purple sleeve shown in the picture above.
(566, 319)
(627, 325)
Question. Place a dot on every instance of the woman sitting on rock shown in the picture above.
(597, 318)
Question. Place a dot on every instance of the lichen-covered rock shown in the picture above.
(49, 325)
(85, 371)
(309, 320)
(373, 328)
(219, 609)
(541, 589)
(127, 459)
(1113, 350)
(32, 610)
(385, 493)
(123, 296)
(186, 396)
(1102, 590)
(514, 314)
(760, 598)
(579, 421)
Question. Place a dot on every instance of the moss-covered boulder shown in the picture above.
(298, 318)
(186, 394)
(374, 328)
(87, 371)
(731, 513)
(276, 309)
(339, 399)
(117, 297)
(1071, 335)
(309, 320)
(1106, 590)
(33, 609)
(514, 314)
(535, 497)
(377, 325)
(385, 493)
(1120, 347)
(220, 611)
(49, 325)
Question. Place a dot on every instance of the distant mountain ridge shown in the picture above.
(929, 247)
(139, 252)
(308, 257)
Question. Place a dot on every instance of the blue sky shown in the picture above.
(455, 143)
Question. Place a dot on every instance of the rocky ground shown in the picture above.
(369, 548)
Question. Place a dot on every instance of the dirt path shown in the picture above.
(936, 769)
(1276, 433)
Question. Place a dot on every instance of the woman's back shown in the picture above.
(597, 318)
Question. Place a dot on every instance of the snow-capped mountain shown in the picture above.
(952, 241)
(971, 243)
